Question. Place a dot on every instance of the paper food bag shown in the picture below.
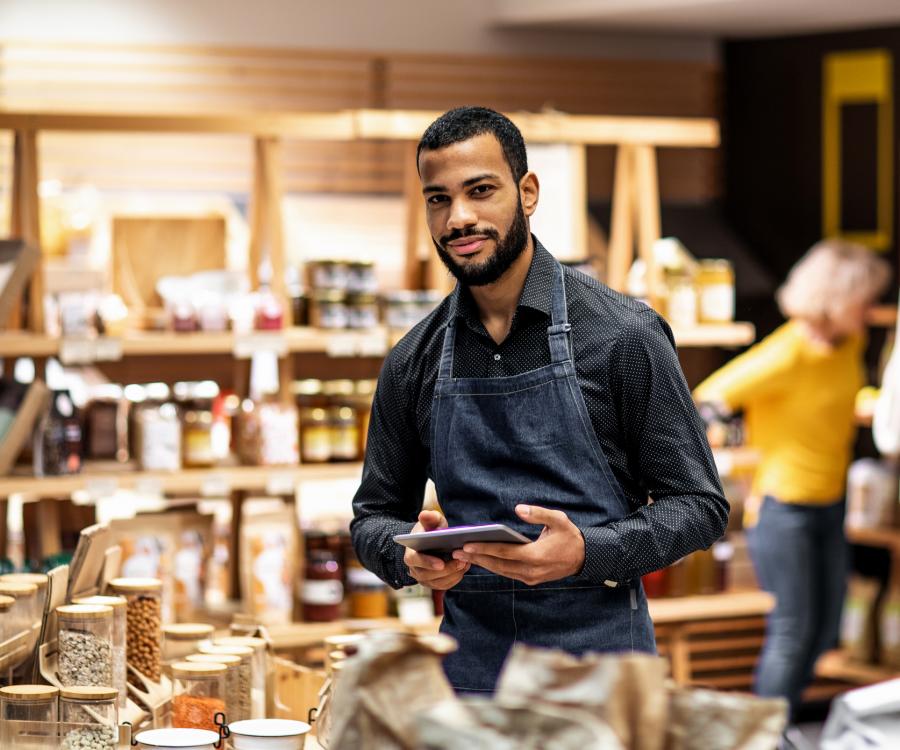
(708, 720)
(484, 725)
(627, 692)
(391, 678)
(859, 623)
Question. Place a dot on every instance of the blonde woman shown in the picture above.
(797, 389)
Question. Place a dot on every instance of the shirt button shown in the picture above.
(496, 357)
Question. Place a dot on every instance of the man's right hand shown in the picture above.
(432, 571)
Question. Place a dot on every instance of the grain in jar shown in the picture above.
(34, 704)
(119, 607)
(261, 671)
(144, 622)
(198, 695)
(183, 639)
(247, 673)
(237, 701)
(85, 645)
(89, 719)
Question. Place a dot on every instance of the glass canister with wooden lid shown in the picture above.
(261, 670)
(85, 645)
(24, 613)
(237, 693)
(247, 673)
(198, 695)
(183, 639)
(119, 607)
(89, 718)
(6, 605)
(28, 717)
(144, 622)
(41, 580)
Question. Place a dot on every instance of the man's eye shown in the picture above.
(435, 199)
(482, 189)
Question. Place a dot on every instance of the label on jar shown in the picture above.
(322, 593)
(360, 578)
(717, 303)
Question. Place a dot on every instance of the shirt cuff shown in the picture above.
(603, 555)
(400, 576)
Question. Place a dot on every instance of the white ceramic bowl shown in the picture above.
(268, 734)
(177, 739)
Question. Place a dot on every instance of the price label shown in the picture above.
(246, 345)
(215, 485)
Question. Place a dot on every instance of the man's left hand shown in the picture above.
(558, 552)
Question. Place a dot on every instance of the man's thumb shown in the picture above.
(540, 516)
(430, 519)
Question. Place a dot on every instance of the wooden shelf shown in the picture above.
(836, 665)
(214, 482)
(726, 335)
(888, 538)
(730, 604)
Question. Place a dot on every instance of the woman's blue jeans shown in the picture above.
(800, 555)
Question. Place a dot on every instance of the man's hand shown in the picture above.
(432, 571)
(558, 552)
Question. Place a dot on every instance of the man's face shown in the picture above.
(474, 208)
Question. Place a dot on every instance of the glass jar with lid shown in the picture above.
(361, 277)
(6, 604)
(364, 394)
(28, 717)
(106, 424)
(362, 311)
(85, 644)
(198, 696)
(41, 580)
(682, 300)
(309, 393)
(237, 699)
(89, 718)
(183, 639)
(159, 430)
(328, 309)
(328, 274)
(368, 594)
(323, 588)
(715, 284)
(144, 622)
(119, 607)
(344, 428)
(261, 671)
(401, 309)
(196, 404)
(315, 436)
(23, 615)
(246, 672)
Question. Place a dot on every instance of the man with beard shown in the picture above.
(535, 397)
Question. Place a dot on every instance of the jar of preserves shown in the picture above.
(85, 645)
(315, 436)
(261, 671)
(89, 718)
(368, 594)
(682, 300)
(344, 433)
(144, 622)
(323, 590)
(309, 393)
(183, 639)
(196, 403)
(362, 402)
(401, 309)
(119, 608)
(362, 311)
(247, 672)
(328, 310)
(715, 284)
(159, 431)
(28, 717)
(58, 440)
(328, 274)
(198, 695)
(361, 277)
(235, 703)
(106, 424)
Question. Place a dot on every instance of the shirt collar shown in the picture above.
(535, 293)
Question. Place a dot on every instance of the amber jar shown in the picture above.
(309, 393)
(715, 286)
(367, 593)
(362, 402)
(315, 436)
(323, 590)
(344, 432)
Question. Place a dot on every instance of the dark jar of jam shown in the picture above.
(323, 588)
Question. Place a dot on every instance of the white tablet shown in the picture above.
(442, 542)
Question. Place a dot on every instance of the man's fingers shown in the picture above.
(542, 516)
(496, 549)
(419, 560)
(507, 568)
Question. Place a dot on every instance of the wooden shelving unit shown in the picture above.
(727, 336)
(836, 665)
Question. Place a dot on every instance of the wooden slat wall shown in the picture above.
(155, 78)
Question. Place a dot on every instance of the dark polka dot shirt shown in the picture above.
(639, 403)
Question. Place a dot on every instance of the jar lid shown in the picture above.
(361, 264)
(342, 413)
(41, 580)
(234, 650)
(85, 611)
(362, 298)
(329, 295)
(188, 631)
(29, 693)
(136, 584)
(116, 602)
(192, 669)
(308, 387)
(6, 602)
(314, 415)
(241, 640)
(338, 388)
(229, 660)
(89, 693)
(177, 737)
(17, 590)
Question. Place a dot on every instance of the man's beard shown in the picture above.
(508, 249)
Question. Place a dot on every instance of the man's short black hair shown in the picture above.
(463, 123)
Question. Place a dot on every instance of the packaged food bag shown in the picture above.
(858, 621)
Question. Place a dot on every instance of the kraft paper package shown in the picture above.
(627, 692)
(382, 688)
(859, 622)
(889, 629)
(724, 721)
(486, 725)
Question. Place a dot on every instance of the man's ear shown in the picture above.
(529, 192)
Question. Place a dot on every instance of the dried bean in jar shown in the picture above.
(91, 737)
(84, 658)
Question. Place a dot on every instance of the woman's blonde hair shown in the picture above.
(833, 277)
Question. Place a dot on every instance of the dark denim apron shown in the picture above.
(499, 442)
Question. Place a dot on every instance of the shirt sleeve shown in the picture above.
(666, 441)
(390, 495)
(761, 371)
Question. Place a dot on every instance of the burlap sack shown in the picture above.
(627, 692)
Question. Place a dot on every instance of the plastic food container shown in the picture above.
(85, 645)
(177, 739)
(144, 622)
(184, 639)
(268, 734)
(260, 668)
(36, 704)
(89, 718)
(198, 696)
(246, 674)
(119, 606)
(237, 692)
